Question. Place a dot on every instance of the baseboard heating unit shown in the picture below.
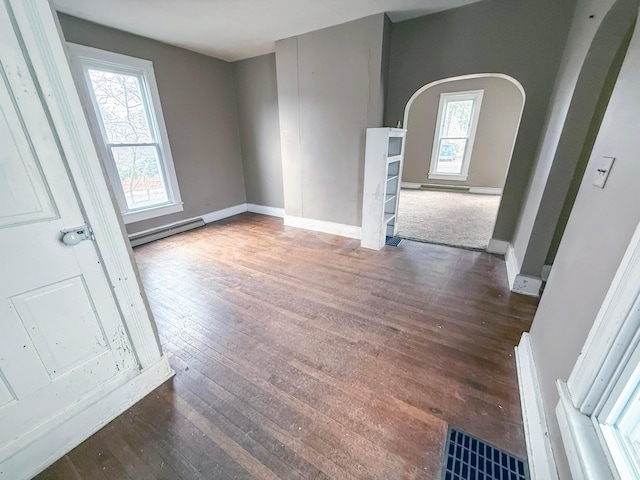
(162, 232)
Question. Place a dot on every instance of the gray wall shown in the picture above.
(583, 160)
(330, 89)
(497, 126)
(597, 234)
(591, 49)
(523, 39)
(258, 122)
(198, 102)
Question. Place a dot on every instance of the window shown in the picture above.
(126, 118)
(455, 132)
(619, 419)
(599, 412)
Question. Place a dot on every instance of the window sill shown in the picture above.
(153, 212)
(441, 176)
(587, 459)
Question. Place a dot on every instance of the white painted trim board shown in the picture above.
(542, 465)
(220, 215)
(412, 186)
(52, 445)
(498, 246)
(224, 213)
(519, 283)
(206, 218)
(343, 230)
(527, 285)
(350, 231)
(485, 191)
(475, 190)
(265, 210)
(587, 460)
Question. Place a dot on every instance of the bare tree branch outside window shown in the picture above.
(130, 136)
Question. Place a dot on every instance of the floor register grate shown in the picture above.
(393, 241)
(468, 458)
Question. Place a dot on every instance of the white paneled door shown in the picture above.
(55, 348)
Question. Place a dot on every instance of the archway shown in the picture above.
(557, 190)
(452, 185)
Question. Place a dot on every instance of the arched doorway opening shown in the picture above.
(460, 137)
(556, 182)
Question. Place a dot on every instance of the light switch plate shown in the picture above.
(601, 173)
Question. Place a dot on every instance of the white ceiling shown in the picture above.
(237, 29)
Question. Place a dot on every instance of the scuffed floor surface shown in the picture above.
(301, 355)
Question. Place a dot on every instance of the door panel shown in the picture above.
(23, 195)
(61, 332)
(6, 395)
(63, 338)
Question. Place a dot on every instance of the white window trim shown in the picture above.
(611, 343)
(475, 95)
(80, 56)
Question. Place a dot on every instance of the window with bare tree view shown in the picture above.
(457, 121)
(129, 138)
(137, 158)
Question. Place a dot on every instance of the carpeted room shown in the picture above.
(453, 218)
(460, 137)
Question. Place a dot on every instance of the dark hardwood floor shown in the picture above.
(301, 355)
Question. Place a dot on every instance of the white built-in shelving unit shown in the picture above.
(384, 156)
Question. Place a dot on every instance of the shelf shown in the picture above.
(384, 155)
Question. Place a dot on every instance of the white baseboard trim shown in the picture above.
(446, 187)
(224, 213)
(343, 230)
(498, 246)
(527, 285)
(414, 186)
(485, 190)
(264, 210)
(207, 218)
(455, 178)
(53, 444)
(518, 282)
(542, 465)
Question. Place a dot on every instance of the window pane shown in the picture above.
(141, 176)
(450, 156)
(457, 119)
(121, 103)
(619, 419)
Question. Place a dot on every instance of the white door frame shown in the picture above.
(43, 43)
(44, 51)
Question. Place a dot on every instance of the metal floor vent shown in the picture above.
(468, 458)
(393, 241)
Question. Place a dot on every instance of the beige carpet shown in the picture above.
(451, 218)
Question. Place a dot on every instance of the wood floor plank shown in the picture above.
(398, 375)
(300, 355)
(310, 463)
